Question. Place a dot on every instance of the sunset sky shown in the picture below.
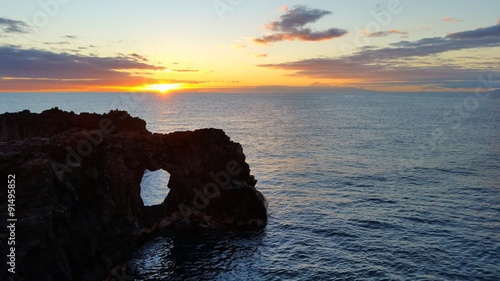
(243, 45)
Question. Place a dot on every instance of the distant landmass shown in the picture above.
(313, 88)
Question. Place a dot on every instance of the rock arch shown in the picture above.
(79, 181)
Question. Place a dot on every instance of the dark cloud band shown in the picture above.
(393, 64)
(34, 63)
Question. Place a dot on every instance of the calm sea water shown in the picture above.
(360, 186)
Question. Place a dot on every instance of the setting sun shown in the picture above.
(162, 88)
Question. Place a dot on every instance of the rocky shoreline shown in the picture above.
(78, 206)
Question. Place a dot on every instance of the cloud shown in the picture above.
(87, 47)
(184, 70)
(137, 56)
(34, 66)
(291, 26)
(296, 18)
(386, 33)
(13, 26)
(394, 65)
(41, 70)
(491, 32)
(261, 55)
(70, 37)
(279, 89)
(25, 84)
(35, 63)
(451, 19)
(239, 46)
(56, 43)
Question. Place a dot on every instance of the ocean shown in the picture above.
(371, 186)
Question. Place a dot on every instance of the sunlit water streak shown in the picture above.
(357, 190)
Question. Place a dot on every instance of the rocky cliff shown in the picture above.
(77, 188)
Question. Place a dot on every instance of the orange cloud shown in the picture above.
(303, 36)
(42, 70)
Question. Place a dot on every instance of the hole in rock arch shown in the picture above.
(154, 187)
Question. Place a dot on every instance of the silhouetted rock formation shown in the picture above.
(78, 204)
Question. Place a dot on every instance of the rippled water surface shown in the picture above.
(360, 186)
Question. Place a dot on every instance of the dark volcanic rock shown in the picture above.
(78, 204)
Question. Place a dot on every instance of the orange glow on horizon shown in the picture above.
(161, 88)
